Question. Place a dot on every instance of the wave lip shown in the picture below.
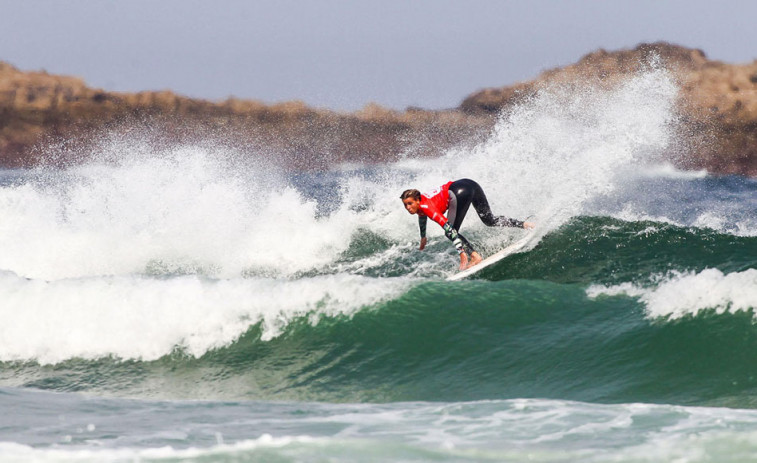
(690, 293)
(146, 318)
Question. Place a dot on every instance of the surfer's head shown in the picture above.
(412, 200)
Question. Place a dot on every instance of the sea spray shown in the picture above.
(565, 146)
(550, 156)
(662, 196)
(182, 211)
(547, 159)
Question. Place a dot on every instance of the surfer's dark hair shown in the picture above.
(411, 193)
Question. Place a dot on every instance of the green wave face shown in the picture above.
(526, 328)
(608, 251)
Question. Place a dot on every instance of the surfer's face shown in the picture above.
(411, 205)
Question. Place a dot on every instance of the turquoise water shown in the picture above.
(185, 304)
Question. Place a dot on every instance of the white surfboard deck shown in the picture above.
(517, 246)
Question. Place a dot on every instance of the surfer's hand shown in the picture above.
(423, 243)
(528, 225)
(463, 261)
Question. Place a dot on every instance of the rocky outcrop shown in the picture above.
(49, 118)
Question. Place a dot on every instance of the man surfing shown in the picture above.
(455, 198)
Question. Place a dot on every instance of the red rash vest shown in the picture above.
(435, 203)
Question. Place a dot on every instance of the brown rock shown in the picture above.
(37, 108)
(718, 107)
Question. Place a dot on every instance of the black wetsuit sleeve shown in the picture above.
(422, 220)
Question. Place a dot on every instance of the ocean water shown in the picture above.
(186, 303)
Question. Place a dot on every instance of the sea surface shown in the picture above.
(189, 303)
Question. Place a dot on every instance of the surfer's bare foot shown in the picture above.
(463, 261)
(475, 259)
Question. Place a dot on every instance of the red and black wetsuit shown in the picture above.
(455, 198)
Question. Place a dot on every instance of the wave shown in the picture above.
(645, 311)
(484, 340)
(605, 309)
(604, 250)
(682, 294)
(92, 317)
(146, 318)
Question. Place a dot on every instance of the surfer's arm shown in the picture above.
(422, 221)
(461, 244)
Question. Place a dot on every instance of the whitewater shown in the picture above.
(189, 303)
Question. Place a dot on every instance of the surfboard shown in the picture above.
(512, 248)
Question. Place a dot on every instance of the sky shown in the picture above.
(342, 54)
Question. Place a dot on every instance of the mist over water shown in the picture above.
(191, 272)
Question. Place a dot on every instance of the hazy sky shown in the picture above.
(344, 54)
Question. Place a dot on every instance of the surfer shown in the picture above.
(455, 198)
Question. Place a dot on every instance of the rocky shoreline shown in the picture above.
(47, 118)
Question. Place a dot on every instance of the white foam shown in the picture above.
(146, 318)
(683, 294)
(179, 209)
(11, 452)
